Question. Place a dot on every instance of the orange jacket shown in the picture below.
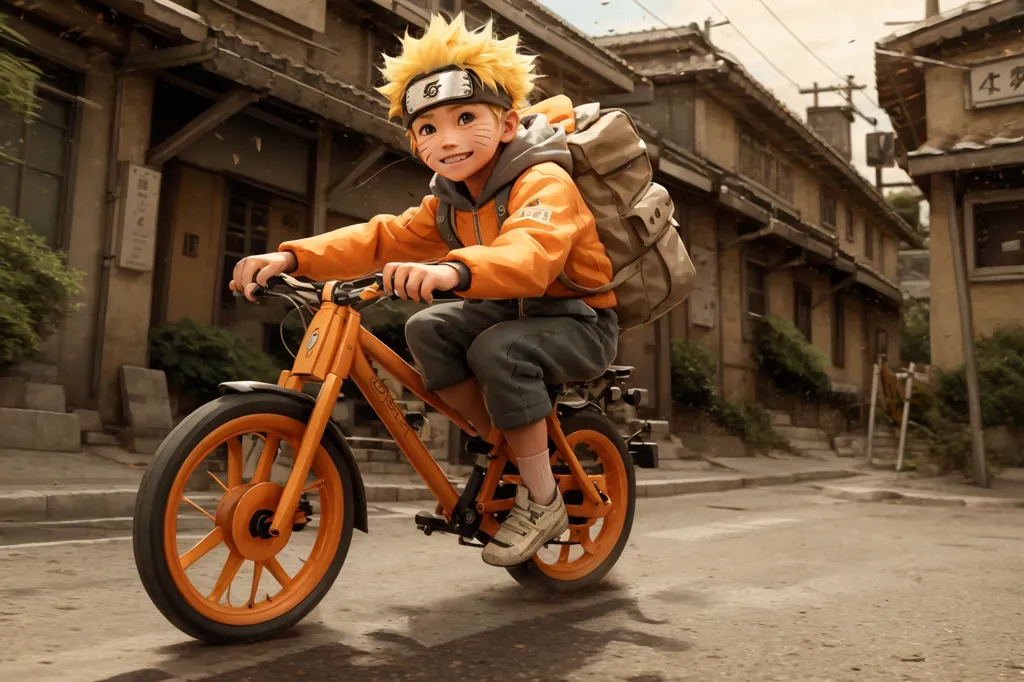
(555, 231)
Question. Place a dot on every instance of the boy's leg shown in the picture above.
(514, 362)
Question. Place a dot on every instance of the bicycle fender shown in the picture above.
(332, 431)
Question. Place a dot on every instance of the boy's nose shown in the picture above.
(449, 143)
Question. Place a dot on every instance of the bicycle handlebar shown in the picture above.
(365, 290)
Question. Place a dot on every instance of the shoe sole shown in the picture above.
(532, 549)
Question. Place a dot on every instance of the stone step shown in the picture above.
(89, 420)
(39, 430)
(45, 397)
(99, 438)
(12, 392)
(802, 433)
(849, 452)
(36, 371)
(781, 418)
(806, 445)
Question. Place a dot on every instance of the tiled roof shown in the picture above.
(967, 143)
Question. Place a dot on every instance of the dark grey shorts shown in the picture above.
(556, 341)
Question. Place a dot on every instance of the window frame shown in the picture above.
(824, 193)
(748, 316)
(869, 240)
(971, 201)
(799, 288)
(764, 160)
(880, 332)
(247, 193)
(851, 227)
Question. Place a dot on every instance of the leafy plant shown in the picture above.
(18, 76)
(36, 290)
(693, 374)
(915, 332)
(196, 358)
(793, 365)
(908, 205)
(749, 421)
(1000, 360)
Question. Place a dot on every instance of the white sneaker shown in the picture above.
(528, 527)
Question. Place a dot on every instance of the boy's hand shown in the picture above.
(255, 270)
(418, 282)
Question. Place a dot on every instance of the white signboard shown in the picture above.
(703, 301)
(140, 204)
(997, 82)
(309, 13)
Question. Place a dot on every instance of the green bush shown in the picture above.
(18, 76)
(749, 421)
(693, 375)
(196, 358)
(793, 365)
(1000, 360)
(36, 290)
(915, 333)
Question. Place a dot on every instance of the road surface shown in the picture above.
(758, 584)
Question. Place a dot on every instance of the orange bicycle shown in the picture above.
(261, 525)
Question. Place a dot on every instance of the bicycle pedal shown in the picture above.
(428, 523)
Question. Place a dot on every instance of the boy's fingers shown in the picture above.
(415, 283)
(265, 274)
(388, 275)
(249, 288)
(401, 275)
(427, 288)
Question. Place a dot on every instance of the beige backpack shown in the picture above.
(652, 271)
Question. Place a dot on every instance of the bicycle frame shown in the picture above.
(336, 347)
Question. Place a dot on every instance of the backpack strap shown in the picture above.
(445, 221)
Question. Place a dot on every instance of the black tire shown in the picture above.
(527, 574)
(151, 505)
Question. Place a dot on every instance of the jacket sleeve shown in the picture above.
(352, 252)
(547, 213)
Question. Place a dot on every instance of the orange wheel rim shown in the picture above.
(235, 510)
(595, 548)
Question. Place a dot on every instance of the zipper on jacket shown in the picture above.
(476, 229)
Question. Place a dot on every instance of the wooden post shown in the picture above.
(966, 332)
(871, 410)
(320, 195)
(906, 417)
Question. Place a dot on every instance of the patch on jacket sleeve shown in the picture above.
(535, 212)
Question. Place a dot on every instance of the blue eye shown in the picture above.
(466, 118)
(427, 130)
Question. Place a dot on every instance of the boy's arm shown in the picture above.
(534, 243)
(352, 252)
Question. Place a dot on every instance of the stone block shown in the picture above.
(90, 504)
(99, 438)
(143, 441)
(22, 505)
(89, 420)
(12, 392)
(145, 400)
(45, 397)
(18, 428)
(58, 432)
(36, 371)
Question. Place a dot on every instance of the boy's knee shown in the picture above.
(422, 329)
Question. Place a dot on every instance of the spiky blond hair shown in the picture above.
(496, 62)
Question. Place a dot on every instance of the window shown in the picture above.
(881, 253)
(995, 233)
(756, 293)
(881, 346)
(764, 166)
(33, 165)
(838, 331)
(850, 234)
(245, 232)
(802, 309)
(869, 241)
(828, 209)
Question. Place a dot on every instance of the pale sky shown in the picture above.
(841, 32)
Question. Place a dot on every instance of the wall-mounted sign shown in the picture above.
(137, 217)
(997, 82)
(881, 150)
(703, 301)
(309, 13)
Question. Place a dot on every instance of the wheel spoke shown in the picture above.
(277, 570)
(257, 573)
(203, 511)
(234, 462)
(563, 554)
(219, 482)
(227, 574)
(202, 548)
(266, 461)
(586, 542)
(315, 485)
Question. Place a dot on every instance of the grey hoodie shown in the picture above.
(537, 142)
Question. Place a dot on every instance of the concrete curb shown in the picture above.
(870, 494)
(69, 505)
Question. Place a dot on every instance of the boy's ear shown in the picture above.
(511, 126)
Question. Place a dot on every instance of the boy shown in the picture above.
(459, 94)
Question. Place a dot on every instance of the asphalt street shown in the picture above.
(758, 584)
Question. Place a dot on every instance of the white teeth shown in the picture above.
(456, 159)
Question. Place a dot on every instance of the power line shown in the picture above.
(665, 23)
(749, 42)
(809, 50)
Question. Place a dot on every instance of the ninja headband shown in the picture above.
(448, 85)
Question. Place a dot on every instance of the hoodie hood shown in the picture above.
(536, 142)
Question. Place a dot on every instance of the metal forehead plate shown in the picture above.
(438, 88)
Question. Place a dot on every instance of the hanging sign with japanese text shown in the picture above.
(137, 217)
(997, 82)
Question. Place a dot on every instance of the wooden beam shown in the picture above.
(982, 159)
(374, 151)
(171, 57)
(229, 105)
(320, 195)
(48, 44)
(79, 21)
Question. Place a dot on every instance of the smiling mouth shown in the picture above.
(456, 158)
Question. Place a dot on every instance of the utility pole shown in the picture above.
(845, 90)
(709, 24)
